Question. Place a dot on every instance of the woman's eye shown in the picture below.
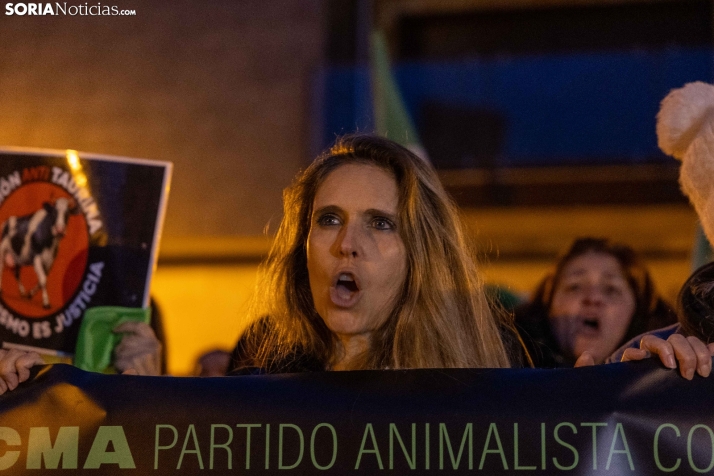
(613, 291)
(328, 220)
(383, 223)
(571, 287)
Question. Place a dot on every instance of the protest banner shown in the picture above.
(627, 418)
(78, 231)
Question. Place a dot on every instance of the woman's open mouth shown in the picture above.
(345, 291)
(590, 326)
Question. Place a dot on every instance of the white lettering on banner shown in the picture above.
(42, 454)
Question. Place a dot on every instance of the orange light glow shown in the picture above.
(73, 160)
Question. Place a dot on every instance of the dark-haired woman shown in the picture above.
(599, 296)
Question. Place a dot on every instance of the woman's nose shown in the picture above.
(351, 239)
(593, 295)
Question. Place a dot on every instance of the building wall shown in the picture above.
(220, 88)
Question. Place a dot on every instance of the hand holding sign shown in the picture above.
(691, 353)
(15, 367)
(138, 353)
(139, 349)
(586, 359)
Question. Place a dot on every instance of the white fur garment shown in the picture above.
(685, 130)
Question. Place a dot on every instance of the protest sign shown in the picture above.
(78, 231)
(628, 418)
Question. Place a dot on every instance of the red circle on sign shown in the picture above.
(69, 265)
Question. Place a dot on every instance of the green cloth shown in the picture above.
(392, 120)
(96, 340)
(503, 296)
(702, 252)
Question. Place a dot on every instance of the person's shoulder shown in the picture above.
(531, 322)
(296, 363)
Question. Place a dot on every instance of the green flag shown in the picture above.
(702, 252)
(390, 116)
(97, 339)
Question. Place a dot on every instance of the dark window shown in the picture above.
(341, 42)
(556, 29)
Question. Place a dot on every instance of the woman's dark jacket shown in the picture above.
(243, 363)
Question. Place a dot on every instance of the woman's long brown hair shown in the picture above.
(441, 317)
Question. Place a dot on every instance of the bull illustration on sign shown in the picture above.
(33, 240)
